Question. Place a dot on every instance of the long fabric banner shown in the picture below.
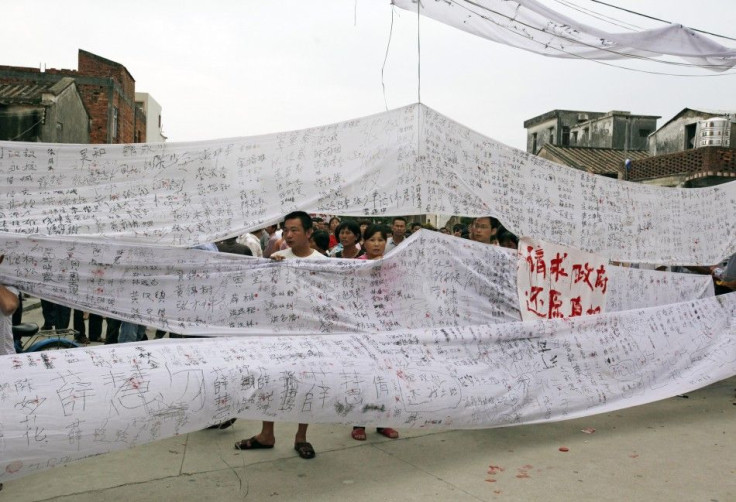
(432, 280)
(428, 336)
(62, 406)
(407, 161)
(529, 25)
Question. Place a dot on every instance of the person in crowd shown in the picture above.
(297, 231)
(726, 275)
(95, 325)
(253, 242)
(55, 316)
(415, 227)
(265, 235)
(444, 230)
(232, 246)
(460, 230)
(334, 222)
(274, 240)
(348, 232)
(363, 224)
(507, 240)
(376, 237)
(8, 304)
(484, 230)
(320, 241)
(398, 233)
(131, 332)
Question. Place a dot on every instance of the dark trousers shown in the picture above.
(113, 330)
(54, 315)
(95, 325)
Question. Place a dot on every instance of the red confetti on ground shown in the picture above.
(494, 469)
(588, 430)
(522, 475)
(497, 492)
(490, 480)
(634, 455)
(564, 448)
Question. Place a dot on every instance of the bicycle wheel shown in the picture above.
(57, 344)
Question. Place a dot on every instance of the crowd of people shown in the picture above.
(300, 236)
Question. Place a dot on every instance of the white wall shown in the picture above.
(154, 123)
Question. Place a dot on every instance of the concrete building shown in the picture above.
(47, 112)
(617, 130)
(107, 90)
(685, 131)
(152, 111)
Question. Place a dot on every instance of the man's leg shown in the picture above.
(141, 332)
(264, 439)
(63, 316)
(301, 433)
(18, 314)
(128, 332)
(48, 309)
(95, 327)
(79, 323)
(113, 329)
(301, 445)
(266, 436)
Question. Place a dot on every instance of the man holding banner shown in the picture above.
(297, 231)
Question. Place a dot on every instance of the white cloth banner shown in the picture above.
(557, 281)
(56, 407)
(529, 25)
(402, 162)
(431, 280)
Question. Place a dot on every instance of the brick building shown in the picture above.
(107, 90)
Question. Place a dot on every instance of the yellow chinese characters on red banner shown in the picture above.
(556, 281)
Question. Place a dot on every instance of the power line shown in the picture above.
(661, 20)
(599, 16)
(618, 53)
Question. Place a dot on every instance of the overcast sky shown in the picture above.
(227, 68)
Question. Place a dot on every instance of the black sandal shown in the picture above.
(305, 450)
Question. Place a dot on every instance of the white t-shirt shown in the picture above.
(288, 254)
(253, 243)
(6, 329)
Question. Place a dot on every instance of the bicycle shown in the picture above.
(38, 340)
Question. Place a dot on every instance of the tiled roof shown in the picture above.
(592, 160)
(27, 92)
(31, 92)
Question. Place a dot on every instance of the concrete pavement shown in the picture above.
(676, 449)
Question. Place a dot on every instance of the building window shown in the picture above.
(644, 133)
(565, 136)
(534, 143)
(114, 132)
(551, 135)
(586, 131)
(159, 121)
(574, 137)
